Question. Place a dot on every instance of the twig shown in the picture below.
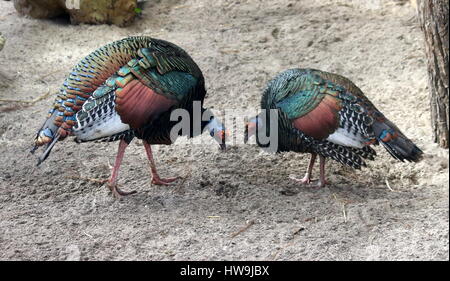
(274, 256)
(48, 74)
(388, 185)
(229, 51)
(87, 179)
(298, 231)
(250, 223)
(179, 7)
(343, 211)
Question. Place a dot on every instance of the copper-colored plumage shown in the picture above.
(322, 121)
(137, 104)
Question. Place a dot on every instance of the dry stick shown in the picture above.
(87, 179)
(179, 7)
(250, 223)
(343, 211)
(274, 256)
(229, 51)
(298, 231)
(48, 74)
(388, 185)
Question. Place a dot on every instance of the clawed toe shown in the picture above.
(160, 181)
(305, 180)
(117, 192)
(308, 181)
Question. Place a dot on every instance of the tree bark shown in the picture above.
(433, 17)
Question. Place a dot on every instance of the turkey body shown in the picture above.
(328, 116)
(126, 89)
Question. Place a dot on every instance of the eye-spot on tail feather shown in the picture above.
(396, 143)
(47, 151)
(403, 149)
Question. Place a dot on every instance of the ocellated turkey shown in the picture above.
(325, 114)
(127, 89)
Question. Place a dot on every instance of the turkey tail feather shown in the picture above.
(396, 143)
(48, 150)
(48, 134)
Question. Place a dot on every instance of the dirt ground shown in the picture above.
(387, 211)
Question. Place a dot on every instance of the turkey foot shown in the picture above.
(117, 192)
(112, 182)
(308, 180)
(305, 180)
(159, 181)
(155, 177)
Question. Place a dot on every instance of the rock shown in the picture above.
(118, 12)
(40, 9)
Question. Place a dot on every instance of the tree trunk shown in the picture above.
(433, 17)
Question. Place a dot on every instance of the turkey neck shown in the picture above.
(274, 132)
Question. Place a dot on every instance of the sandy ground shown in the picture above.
(50, 213)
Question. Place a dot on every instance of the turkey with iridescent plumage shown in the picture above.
(129, 88)
(325, 114)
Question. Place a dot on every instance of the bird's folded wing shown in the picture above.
(313, 108)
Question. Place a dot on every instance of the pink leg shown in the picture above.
(112, 183)
(322, 181)
(307, 178)
(155, 177)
